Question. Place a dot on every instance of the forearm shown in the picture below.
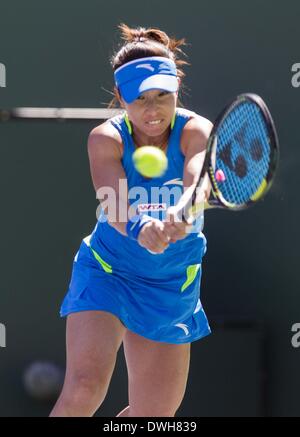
(202, 192)
(187, 194)
(116, 214)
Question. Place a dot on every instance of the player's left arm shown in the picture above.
(194, 140)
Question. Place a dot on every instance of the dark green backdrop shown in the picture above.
(56, 54)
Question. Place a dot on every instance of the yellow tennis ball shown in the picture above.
(150, 161)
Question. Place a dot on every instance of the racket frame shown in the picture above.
(217, 200)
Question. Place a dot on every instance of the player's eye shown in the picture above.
(164, 93)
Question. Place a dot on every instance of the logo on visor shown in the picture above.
(147, 66)
(164, 69)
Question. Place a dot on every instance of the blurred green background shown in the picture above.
(57, 54)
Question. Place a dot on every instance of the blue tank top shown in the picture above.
(122, 255)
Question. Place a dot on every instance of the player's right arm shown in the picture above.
(107, 172)
(110, 183)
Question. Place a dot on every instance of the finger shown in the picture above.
(162, 235)
(176, 229)
(160, 231)
(156, 247)
(182, 228)
(153, 243)
(178, 233)
(168, 229)
(170, 215)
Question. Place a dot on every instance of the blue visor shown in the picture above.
(146, 74)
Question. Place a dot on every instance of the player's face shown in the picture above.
(152, 112)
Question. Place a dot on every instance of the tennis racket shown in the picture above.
(241, 158)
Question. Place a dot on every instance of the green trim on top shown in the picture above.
(128, 124)
(173, 121)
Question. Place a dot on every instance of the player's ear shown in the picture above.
(119, 97)
(179, 83)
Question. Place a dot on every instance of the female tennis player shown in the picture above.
(137, 281)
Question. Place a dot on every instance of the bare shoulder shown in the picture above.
(196, 133)
(200, 124)
(105, 139)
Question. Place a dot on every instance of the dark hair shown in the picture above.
(141, 43)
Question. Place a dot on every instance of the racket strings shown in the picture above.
(243, 153)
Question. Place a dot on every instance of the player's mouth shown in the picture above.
(154, 122)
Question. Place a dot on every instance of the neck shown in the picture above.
(143, 140)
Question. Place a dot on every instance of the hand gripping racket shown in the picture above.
(241, 158)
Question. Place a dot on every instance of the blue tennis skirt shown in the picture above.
(167, 311)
